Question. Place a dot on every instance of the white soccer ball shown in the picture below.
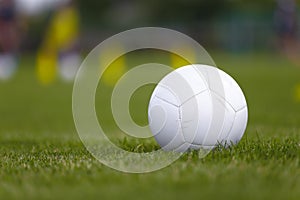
(197, 106)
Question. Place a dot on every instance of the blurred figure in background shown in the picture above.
(9, 40)
(60, 48)
(286, 27)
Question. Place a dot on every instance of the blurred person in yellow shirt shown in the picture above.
(60, 49)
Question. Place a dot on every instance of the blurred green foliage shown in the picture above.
(172, 10)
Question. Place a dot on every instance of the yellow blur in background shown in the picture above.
(297, 93)
(62, 34)
(177, 61)
(117, 68)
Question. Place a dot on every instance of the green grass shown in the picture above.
(41, 156)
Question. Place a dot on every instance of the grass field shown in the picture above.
(42, 157)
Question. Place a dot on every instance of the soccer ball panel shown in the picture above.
(165, 124)
(166, 94)
(226, 118)
(239, 126)
(222, 117)
(184, 83)
(233, 93)
(223, 85)
(170, 143)
(197, 84)
(196, 117)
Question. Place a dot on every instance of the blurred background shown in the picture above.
(223, 24)
(42, 44)
(65, 29)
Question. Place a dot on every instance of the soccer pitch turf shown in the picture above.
(42, 157)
